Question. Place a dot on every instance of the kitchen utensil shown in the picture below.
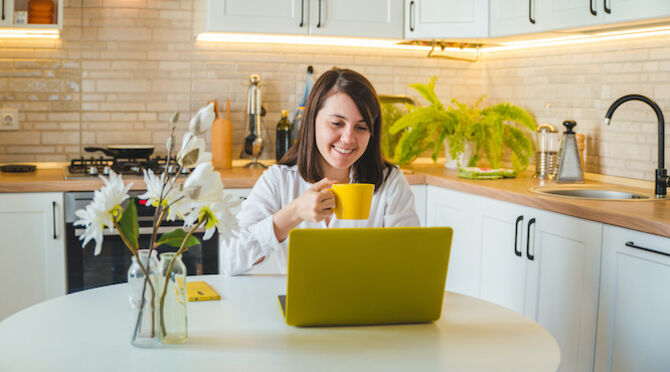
(253, 141)
(124, 151)
(569, 167)
(222, 139)
(546, 156)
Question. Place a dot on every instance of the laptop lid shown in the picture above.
(353, 276)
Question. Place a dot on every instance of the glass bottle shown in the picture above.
(143, 320)
(172, 303)
(283, 135)
(297, 123)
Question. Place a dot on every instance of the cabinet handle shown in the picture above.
(3, 10)
(302, 13)
(411, 16)
(591, 8)
(530, 256)
(632, 245)
(318, 25)
(530, 14)
(53, 219)
(516, 236)
(607, 10)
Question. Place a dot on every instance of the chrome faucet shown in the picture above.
(662, 179)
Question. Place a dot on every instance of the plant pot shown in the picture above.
(462, 159)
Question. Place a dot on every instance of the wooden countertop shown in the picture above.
(651, 216)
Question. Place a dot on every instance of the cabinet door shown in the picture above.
(633, 321)
(443, 19)
(562, 14)
(420, 192)
(503, 263)
(7, 19)
(459, 211)
(259, 16)
(513, 17)
(369, 18)
(634, 10)
(32, 252)
(562, 283)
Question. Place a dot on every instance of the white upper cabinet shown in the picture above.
(370, 18)
(7, 18)
(355, 18)
(633, 10)
(514, 17)
(258, 16)
(429, 19)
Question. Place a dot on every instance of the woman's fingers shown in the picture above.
(323, 183)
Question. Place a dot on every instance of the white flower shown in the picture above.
(103, 210)
(193, 152)
(171, 200)
(205, 190)
(202, 121)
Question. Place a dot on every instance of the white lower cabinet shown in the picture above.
(460, 211)
(32, 251)
(634, 306)
(541, 264)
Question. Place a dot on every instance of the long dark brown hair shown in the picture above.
(371, 166)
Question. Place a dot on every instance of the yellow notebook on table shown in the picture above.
(201, 291)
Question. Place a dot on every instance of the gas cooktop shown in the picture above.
(90, 167)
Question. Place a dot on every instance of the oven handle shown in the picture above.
(143, 231)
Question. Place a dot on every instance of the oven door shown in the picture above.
(84, 270)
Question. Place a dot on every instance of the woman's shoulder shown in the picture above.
(280, 172)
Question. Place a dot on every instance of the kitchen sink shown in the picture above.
(586, 192)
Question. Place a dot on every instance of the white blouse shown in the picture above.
(392, 205)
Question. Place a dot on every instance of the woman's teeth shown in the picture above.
(343, 151)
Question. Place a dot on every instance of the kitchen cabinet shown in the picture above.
(372, 18)
(546, 266)
(420, 192)
(32, 252)
(633, 323)
(461, 212)
(513, 17)
(430, 19)
(541, 264)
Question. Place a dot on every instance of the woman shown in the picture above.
(339, 142)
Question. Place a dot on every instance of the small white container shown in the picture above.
(20, 17)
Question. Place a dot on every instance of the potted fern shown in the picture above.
(489, 130)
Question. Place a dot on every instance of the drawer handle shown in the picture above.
(607, 9)
(530, 256)
(530, 12)
(302, 13)
(516, 236)
(411, 16)
(53, 216)
(632, 245)
(318, 25)
(593, 11)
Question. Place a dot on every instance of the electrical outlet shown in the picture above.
(9, 119)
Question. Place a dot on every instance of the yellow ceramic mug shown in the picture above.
(352, 200)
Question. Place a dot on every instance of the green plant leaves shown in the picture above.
(128, 224)
(176, 237)
(492, 130)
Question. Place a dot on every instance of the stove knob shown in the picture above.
(106, 170)
(92, 170)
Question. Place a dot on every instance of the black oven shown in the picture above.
(84, 270)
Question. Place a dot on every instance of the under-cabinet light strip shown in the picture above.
(315, 40)
(29, 33)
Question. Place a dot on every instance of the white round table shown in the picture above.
(245, 331)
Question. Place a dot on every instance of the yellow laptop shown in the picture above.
(357, 276)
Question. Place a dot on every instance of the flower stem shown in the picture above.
(169, 270)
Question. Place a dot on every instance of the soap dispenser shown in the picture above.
(569, 166)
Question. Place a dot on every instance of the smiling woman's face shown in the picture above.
(341, 135)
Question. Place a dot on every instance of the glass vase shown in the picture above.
(172, 306)
(143, 319)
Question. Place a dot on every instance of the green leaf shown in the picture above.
(428, 92)
(176, 237)
(128, 224)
